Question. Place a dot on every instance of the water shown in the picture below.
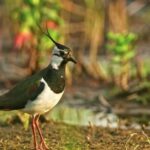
(82, 116)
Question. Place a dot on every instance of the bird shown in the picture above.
(40, 92)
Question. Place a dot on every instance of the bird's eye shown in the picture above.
(62, 53)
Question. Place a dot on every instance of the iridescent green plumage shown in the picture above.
(24, 91)
(31, 87)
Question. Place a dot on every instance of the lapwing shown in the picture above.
(39, 93)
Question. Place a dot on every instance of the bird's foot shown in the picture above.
(43, 146)
(36, 147)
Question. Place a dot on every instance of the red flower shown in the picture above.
(51, 25)
(21, 38)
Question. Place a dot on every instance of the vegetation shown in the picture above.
(33, 15)
(122, 48)
(110, 42)
(101, 26)
(63, 137)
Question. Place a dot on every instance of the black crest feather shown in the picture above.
(60, 46)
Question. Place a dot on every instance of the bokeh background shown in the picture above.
(110, 85)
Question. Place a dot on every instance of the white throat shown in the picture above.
(56, 60)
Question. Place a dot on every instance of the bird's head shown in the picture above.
(61, 54)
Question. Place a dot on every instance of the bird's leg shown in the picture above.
(42, 144)
(34, 133)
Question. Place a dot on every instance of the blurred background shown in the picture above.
(110, 85)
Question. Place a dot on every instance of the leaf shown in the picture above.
(121, 49)
(32, 2)
(129, 55)
(117, 59)
(131, 37)
(111, 36)
(24, 118)
(121, 40)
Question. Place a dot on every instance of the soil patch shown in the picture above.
(66, 137)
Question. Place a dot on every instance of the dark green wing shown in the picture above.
(24, 91)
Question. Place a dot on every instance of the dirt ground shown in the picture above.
(66, 137)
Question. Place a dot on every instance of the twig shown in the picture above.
(131, 135)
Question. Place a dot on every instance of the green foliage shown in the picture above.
(146, 68)
(6, 117)
(122, 48)
(25, 119)
(70, 115)
(29, 14)
(121, 45)
(142, 96)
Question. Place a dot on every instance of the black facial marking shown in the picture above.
(56, 54)
(60, 46)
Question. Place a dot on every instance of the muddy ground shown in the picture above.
(66, 137)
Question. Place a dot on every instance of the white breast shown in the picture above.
(44, 102)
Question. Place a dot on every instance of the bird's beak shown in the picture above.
(71, 58)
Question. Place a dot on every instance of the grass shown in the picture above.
(62, 136)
